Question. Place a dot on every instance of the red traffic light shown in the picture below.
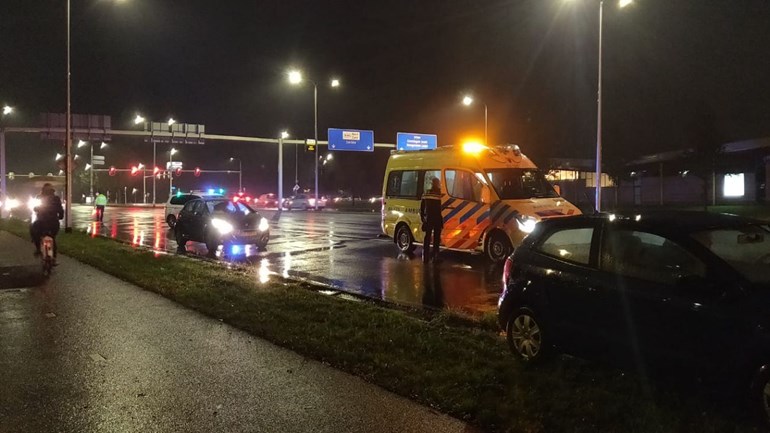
(197, 171)
(178, 172)
(113, 170)
(134, 170)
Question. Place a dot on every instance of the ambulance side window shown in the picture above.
(428, 179)
(402, 184)
(463, 185)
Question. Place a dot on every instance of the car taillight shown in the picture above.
(507, 270)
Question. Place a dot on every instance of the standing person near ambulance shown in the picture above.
(432, 221)
(100, 202)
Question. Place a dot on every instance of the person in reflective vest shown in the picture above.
(432, 221)
(100, 201)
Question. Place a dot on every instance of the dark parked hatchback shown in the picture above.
(685, 291)
(218, 221)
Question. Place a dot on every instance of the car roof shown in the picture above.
(665, 221)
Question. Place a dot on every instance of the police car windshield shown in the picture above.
(227, 207)
(520, 183)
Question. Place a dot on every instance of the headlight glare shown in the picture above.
(222, 226)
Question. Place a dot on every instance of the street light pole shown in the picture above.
(315, 159)
(92, 171)
(68, 133)
(240, 175)
(598, 204)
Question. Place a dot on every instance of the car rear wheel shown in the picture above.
(526, 338)
(498, 247)
(404, 239)
(171, 220)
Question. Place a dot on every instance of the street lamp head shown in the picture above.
(284, 134)
(173, 151)
(81, 143)
(58, 156)
(7, 109)
(88, 166)
(295, 76)
(171, 121)
(103, 145)
(335, 82)
(467, 100)
(624, 3)
(138, 119)
(329, 157)
(232, 159)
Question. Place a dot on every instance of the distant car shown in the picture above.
(266, 201)
(682, 292)
(303, 201)
(218, 221)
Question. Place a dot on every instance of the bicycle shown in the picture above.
(47, 257)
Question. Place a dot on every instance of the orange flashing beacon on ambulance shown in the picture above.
(492, 197)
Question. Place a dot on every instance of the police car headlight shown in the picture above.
(222, 226)
(527, 224)
(263, 224)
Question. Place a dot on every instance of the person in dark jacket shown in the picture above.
(432, 221)
(48, 213)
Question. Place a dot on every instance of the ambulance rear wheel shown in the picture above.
(404, 239)
(498, 247)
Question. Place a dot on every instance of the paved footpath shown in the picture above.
(86, 352)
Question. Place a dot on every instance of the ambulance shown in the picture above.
(492, 197)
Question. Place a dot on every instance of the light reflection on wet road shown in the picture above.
(341, 250)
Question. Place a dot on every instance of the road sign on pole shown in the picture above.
(351, 140)
(410, 141)
(97, 160)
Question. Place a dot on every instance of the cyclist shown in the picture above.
(49, 212)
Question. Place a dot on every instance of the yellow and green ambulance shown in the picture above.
(491, 197)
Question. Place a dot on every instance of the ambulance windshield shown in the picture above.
(520, 183)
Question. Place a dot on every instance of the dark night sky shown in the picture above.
(404, 65)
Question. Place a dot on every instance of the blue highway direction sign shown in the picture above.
(351, 139)
(410, 141)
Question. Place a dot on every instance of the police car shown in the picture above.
(177, 201)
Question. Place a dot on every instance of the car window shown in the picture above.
(428, 179)
(179, 199)
(199, 207)
(647, 256)
(463, 185)
(402, 184)
(745, 248)
(188, 207)
(573, 244)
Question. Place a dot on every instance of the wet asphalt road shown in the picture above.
(341, 250)
(86, 352)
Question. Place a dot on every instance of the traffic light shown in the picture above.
(112, 170)
(310, 145)
(197, 172)
(134, 170)
(178, 172)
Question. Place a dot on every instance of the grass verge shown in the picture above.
(462, 371)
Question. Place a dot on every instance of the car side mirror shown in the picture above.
(486, 195)
(557, 188)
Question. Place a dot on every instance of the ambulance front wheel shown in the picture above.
(498, 247)
(404, 239)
